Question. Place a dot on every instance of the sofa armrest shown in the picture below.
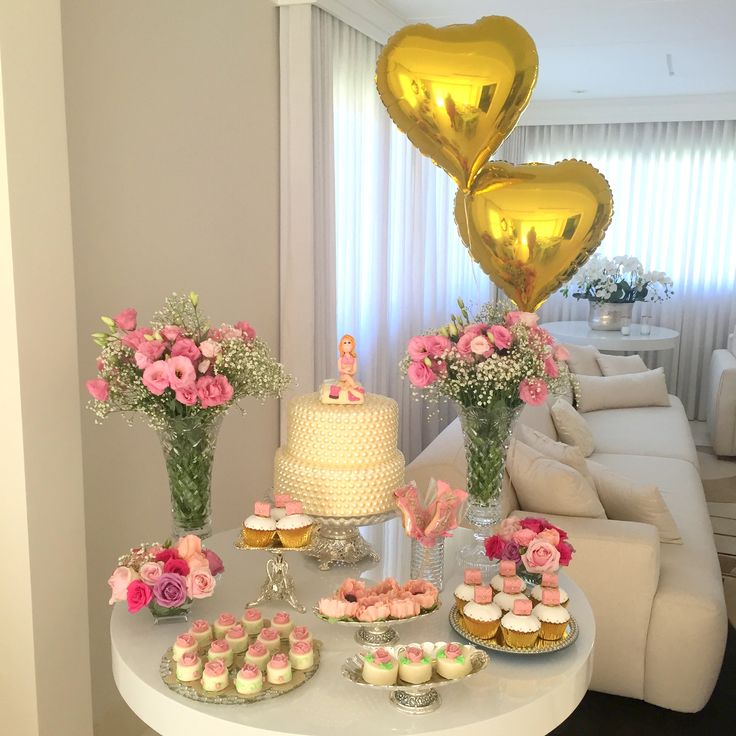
(616, 564)
(722, 402)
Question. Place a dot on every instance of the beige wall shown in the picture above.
(172, 116)
(42, 520)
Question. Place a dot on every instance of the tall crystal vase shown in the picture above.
(189, 444)
(487, 433)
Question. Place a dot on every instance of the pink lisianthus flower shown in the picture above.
(438, 345)
(171, 332)
(523, 537)
(148, 352)
(214, 390)
(136, 338)
(528, 319)
(561, 353)
(474, 329)
(501, 337)
(418, 348)
(508, 526)
(204, 366)
(210, 348)
(494, 547)
(565, 549)
(187, 395)
(533, 392)
(181, 372)
(541, 556)
(156, 377)
(248, 332)
(186, 347)
(463, 344)
(420, 375)
(550, 535)
(139, 595)
(126, 319)
(480, 345)
(99, 389)
(550, 368)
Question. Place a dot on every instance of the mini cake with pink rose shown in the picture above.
(270, 639)
(278, 670)
(553, 617)
(454, 661)
(520, 626)
(300, 633)
(283, 624)
(184, 644)
(220, 649)
(252, 621)
(415, 667)
(258, 655)
(506, 571)
(223, 624)
(202, 632)
(249, 680)
(189, 667)
(237, 638)
(301, 655)
(215, 676)
(380, 667)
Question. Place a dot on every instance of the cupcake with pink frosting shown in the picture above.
(553, 617)
(258, 655)
(220, 649)
(189, 667)
(512, 587)
(549, 581)
(249, 680)
(520, 626)
(506, 571)
(224, 622)
(252, 621)
(184, 644)
(301, 655)
(300, 633)
(278, 670)
(270, 639)
(415, 666)
(202, 632)
(215, 676)
(338, 609)
(237, 639)
(283, 624)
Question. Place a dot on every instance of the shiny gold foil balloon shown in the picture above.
(531, 227)
(458, 91)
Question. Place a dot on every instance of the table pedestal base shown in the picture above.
(416, 702)
(340, 546)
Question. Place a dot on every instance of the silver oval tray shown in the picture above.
(497, 644)
(385, 623)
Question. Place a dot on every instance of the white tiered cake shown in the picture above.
(341, 460)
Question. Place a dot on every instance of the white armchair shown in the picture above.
(722, 398)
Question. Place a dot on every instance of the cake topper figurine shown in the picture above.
(345, 389)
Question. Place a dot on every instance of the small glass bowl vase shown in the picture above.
(530, 578)
(428, 563)
(162, 615)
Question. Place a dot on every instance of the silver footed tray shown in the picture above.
(497, 643)
(411, 698)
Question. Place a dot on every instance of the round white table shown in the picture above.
(580, 333)
(515, 693)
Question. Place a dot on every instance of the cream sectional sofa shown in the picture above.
(659, 608)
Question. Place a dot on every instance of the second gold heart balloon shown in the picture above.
(458, 91)
(530, 227)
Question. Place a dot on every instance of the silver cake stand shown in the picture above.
(338, 541)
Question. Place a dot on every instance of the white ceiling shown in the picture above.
(609, 48)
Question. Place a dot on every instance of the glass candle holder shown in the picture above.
(625, 326)
(645, 328)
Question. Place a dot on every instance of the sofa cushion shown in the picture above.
(661, 431)
(539, 418)
(571, 427)
(594, 393)
(619, 365)
(582, 360)
(560, 451)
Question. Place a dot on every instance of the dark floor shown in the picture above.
(608, 715)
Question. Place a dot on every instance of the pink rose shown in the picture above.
(523, 537)
(561, 353)
(99, 389)
(171, 332)
(214, 390)
(494, 547)
(156, 377)
(550, 368)
(138, 596)
(214, 562)
(541, 556)
(534, 523)
(181, 372)
(502, 338)
(533, 391)
(126, 319)
(148, 352)
(561, 532)
(150, 572)
(420, 375)
(187, 395)
(189, 545)
(550, 535)
(200, 584)
(180, 567)
(452, 651)
(119, 581)
(210, 349)
(528, 319)
(508, 526)
(565, 549)
(136, 338)
(186, 347)
(418, 348)
(167, 554)
(248, 332)
(198, 561)
(480, 345)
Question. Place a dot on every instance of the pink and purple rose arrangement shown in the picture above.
(532, 542)
(476, 360)
(165, 577)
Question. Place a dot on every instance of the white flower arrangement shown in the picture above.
(619, 280)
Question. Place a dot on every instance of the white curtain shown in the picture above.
(399, 264)
(674, 204)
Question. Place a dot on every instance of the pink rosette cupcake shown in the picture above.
(252, 621)
(215, 676)
(404, 607)
(352, 590)
(283, 624)
(424, 593)
(220, 649)
(225, 621)
(301, 655)
(278, 670)
(389, 585)
(300, 633)
(377, 612)
(334, 608)
(270, 639)
(202, 632)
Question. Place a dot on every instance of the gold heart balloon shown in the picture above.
(531, 227)
(458, 91)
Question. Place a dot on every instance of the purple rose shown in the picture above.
(511, 552)
(214, 561)
(170, 590)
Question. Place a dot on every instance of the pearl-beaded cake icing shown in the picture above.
(341, 460)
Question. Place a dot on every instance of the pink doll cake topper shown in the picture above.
(345, 389)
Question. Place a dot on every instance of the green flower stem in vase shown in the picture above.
(188, 445)
(487, 434)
